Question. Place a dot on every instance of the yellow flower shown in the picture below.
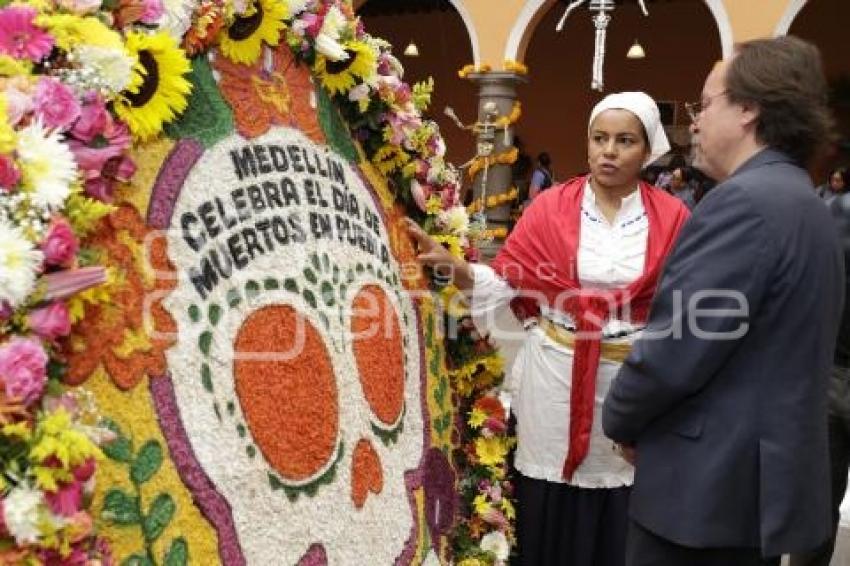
(508, 508)
(338, 77)
(244, 38)
(451, 243)
(481, 504)
(12, 67)
(389, 158)
(20, 430)
(476, 417)
(8, 139)
(159, 91)
(434, 205)
(491, 451)
(57, 438)
(72, 31)
(454, 301)
(472, 562)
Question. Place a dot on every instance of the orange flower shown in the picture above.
(491, 406)
(263, 97)
(122, 336)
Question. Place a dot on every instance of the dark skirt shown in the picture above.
(562, 525)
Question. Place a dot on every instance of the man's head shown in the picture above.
(770, 93)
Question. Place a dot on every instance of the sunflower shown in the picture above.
(158, 91)
(340, 76)
(243, 40)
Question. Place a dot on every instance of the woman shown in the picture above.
(583, 262)
(835, 184)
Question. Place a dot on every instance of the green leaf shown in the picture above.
(310, 275)
(314, 259)
(120, 507)
(120, 449)
(194, 313)
(147, 462)
(137, 560)
(271, 284)
(252, 289)
(251, 451)
(206, 378)
(233, 298)
(159, 516)
(310, 298)
(205, 341)
(214, 313)
(178, 554)
(290, 285)
(326, 262)
(328, 293)
(208, 117)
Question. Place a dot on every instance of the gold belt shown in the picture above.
(611, 351)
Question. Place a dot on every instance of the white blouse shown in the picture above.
(610, 255)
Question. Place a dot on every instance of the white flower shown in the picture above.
(19, 265)
(20, 513)
(113, 67)
(330, 48)
(496, 543)
(455, 220)
(48, 166)
(177, 18)
(333, 24)
(295, 7)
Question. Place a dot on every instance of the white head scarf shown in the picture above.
(641, 105)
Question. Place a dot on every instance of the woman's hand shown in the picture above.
(432, 254)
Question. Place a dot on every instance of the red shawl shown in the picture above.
(540, 259)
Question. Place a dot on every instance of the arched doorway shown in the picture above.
(824, 23)
(681, 41)
(442, 35)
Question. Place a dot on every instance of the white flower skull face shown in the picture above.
(297, 372)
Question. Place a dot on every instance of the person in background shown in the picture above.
(681, 186)
(542, 178)
(724, 398)
(835, 184)
(580, 270)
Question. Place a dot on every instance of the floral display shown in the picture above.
(86, 88)
(74, 91)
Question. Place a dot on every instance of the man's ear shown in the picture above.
(750, 112)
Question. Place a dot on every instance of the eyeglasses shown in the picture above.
(694, 109)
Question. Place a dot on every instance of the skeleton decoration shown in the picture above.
(600, 21)
(485, 132)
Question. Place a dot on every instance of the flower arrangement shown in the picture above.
(81, 81)
(74, 94)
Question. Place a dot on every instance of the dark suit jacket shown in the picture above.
(731, 434)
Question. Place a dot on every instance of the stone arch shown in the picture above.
(534, 10)
(791, 12)
(468, 23)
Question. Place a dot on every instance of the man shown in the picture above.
(839, 397)
(725, 398)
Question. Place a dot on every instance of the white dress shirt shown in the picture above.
(610, 255)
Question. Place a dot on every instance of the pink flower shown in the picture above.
(5, 311)
(9, 173)
(67, 499)
(494, 425)
(68, 282)
(56, 104)
(19, 38)
(23, 368)
(84, 471)
(19, 99)
(60, 246)
(51, 321)
(94, 119)
(153, 10)
(420, 194)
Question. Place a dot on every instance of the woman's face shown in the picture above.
(836, 182)
(616, 148)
